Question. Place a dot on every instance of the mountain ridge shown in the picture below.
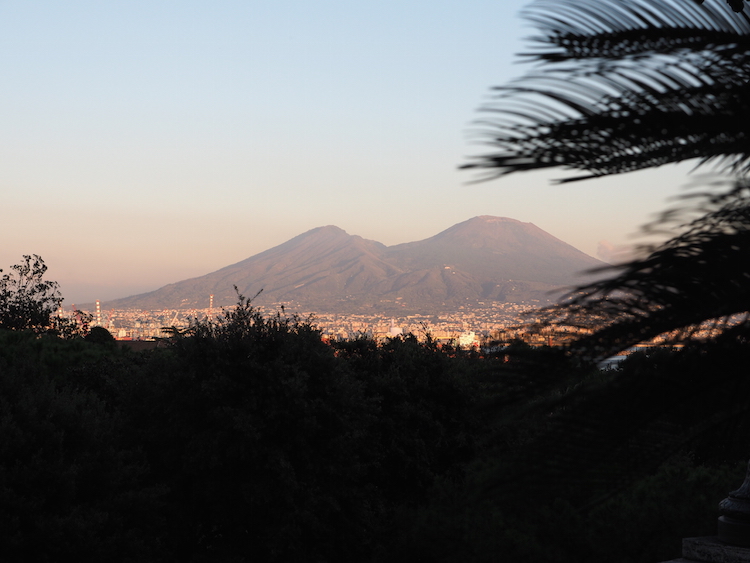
(327, 269)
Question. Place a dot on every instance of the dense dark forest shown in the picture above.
(250, 439)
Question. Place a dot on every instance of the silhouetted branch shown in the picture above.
(695, 285)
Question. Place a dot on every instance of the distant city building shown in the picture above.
(467, 339)
(395, 330)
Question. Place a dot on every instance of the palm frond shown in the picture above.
(613, 29)
(695, 285)
(625, 85)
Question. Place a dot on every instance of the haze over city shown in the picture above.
(144, 143)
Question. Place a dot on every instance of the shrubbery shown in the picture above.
(250, 439)
(619, 467)
(246, 439)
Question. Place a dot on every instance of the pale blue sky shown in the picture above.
(142, 143)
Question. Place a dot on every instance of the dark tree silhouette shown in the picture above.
(27, 300)
(623, 85)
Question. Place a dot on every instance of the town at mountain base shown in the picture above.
(485, 259)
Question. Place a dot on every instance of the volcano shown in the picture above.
(328, 270)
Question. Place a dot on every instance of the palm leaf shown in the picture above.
(697, 284)
(625, 85)
(615, 29)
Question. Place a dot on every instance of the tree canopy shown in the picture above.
(27, 300)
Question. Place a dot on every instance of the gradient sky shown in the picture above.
(146, 142)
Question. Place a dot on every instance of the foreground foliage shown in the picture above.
(250, 439)
(27, 300)
(619, 468)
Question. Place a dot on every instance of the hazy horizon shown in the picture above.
(150, 142)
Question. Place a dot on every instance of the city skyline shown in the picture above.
(147, 143)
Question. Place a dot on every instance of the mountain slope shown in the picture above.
(326, 269)
(497, 248)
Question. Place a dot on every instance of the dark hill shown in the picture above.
(326, 269)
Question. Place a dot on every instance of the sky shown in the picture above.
(147, 142)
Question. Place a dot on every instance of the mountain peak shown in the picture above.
(328, 229)
(493, 219)
(489, 230)
(325, 231)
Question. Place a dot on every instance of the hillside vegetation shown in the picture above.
(250, 439)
